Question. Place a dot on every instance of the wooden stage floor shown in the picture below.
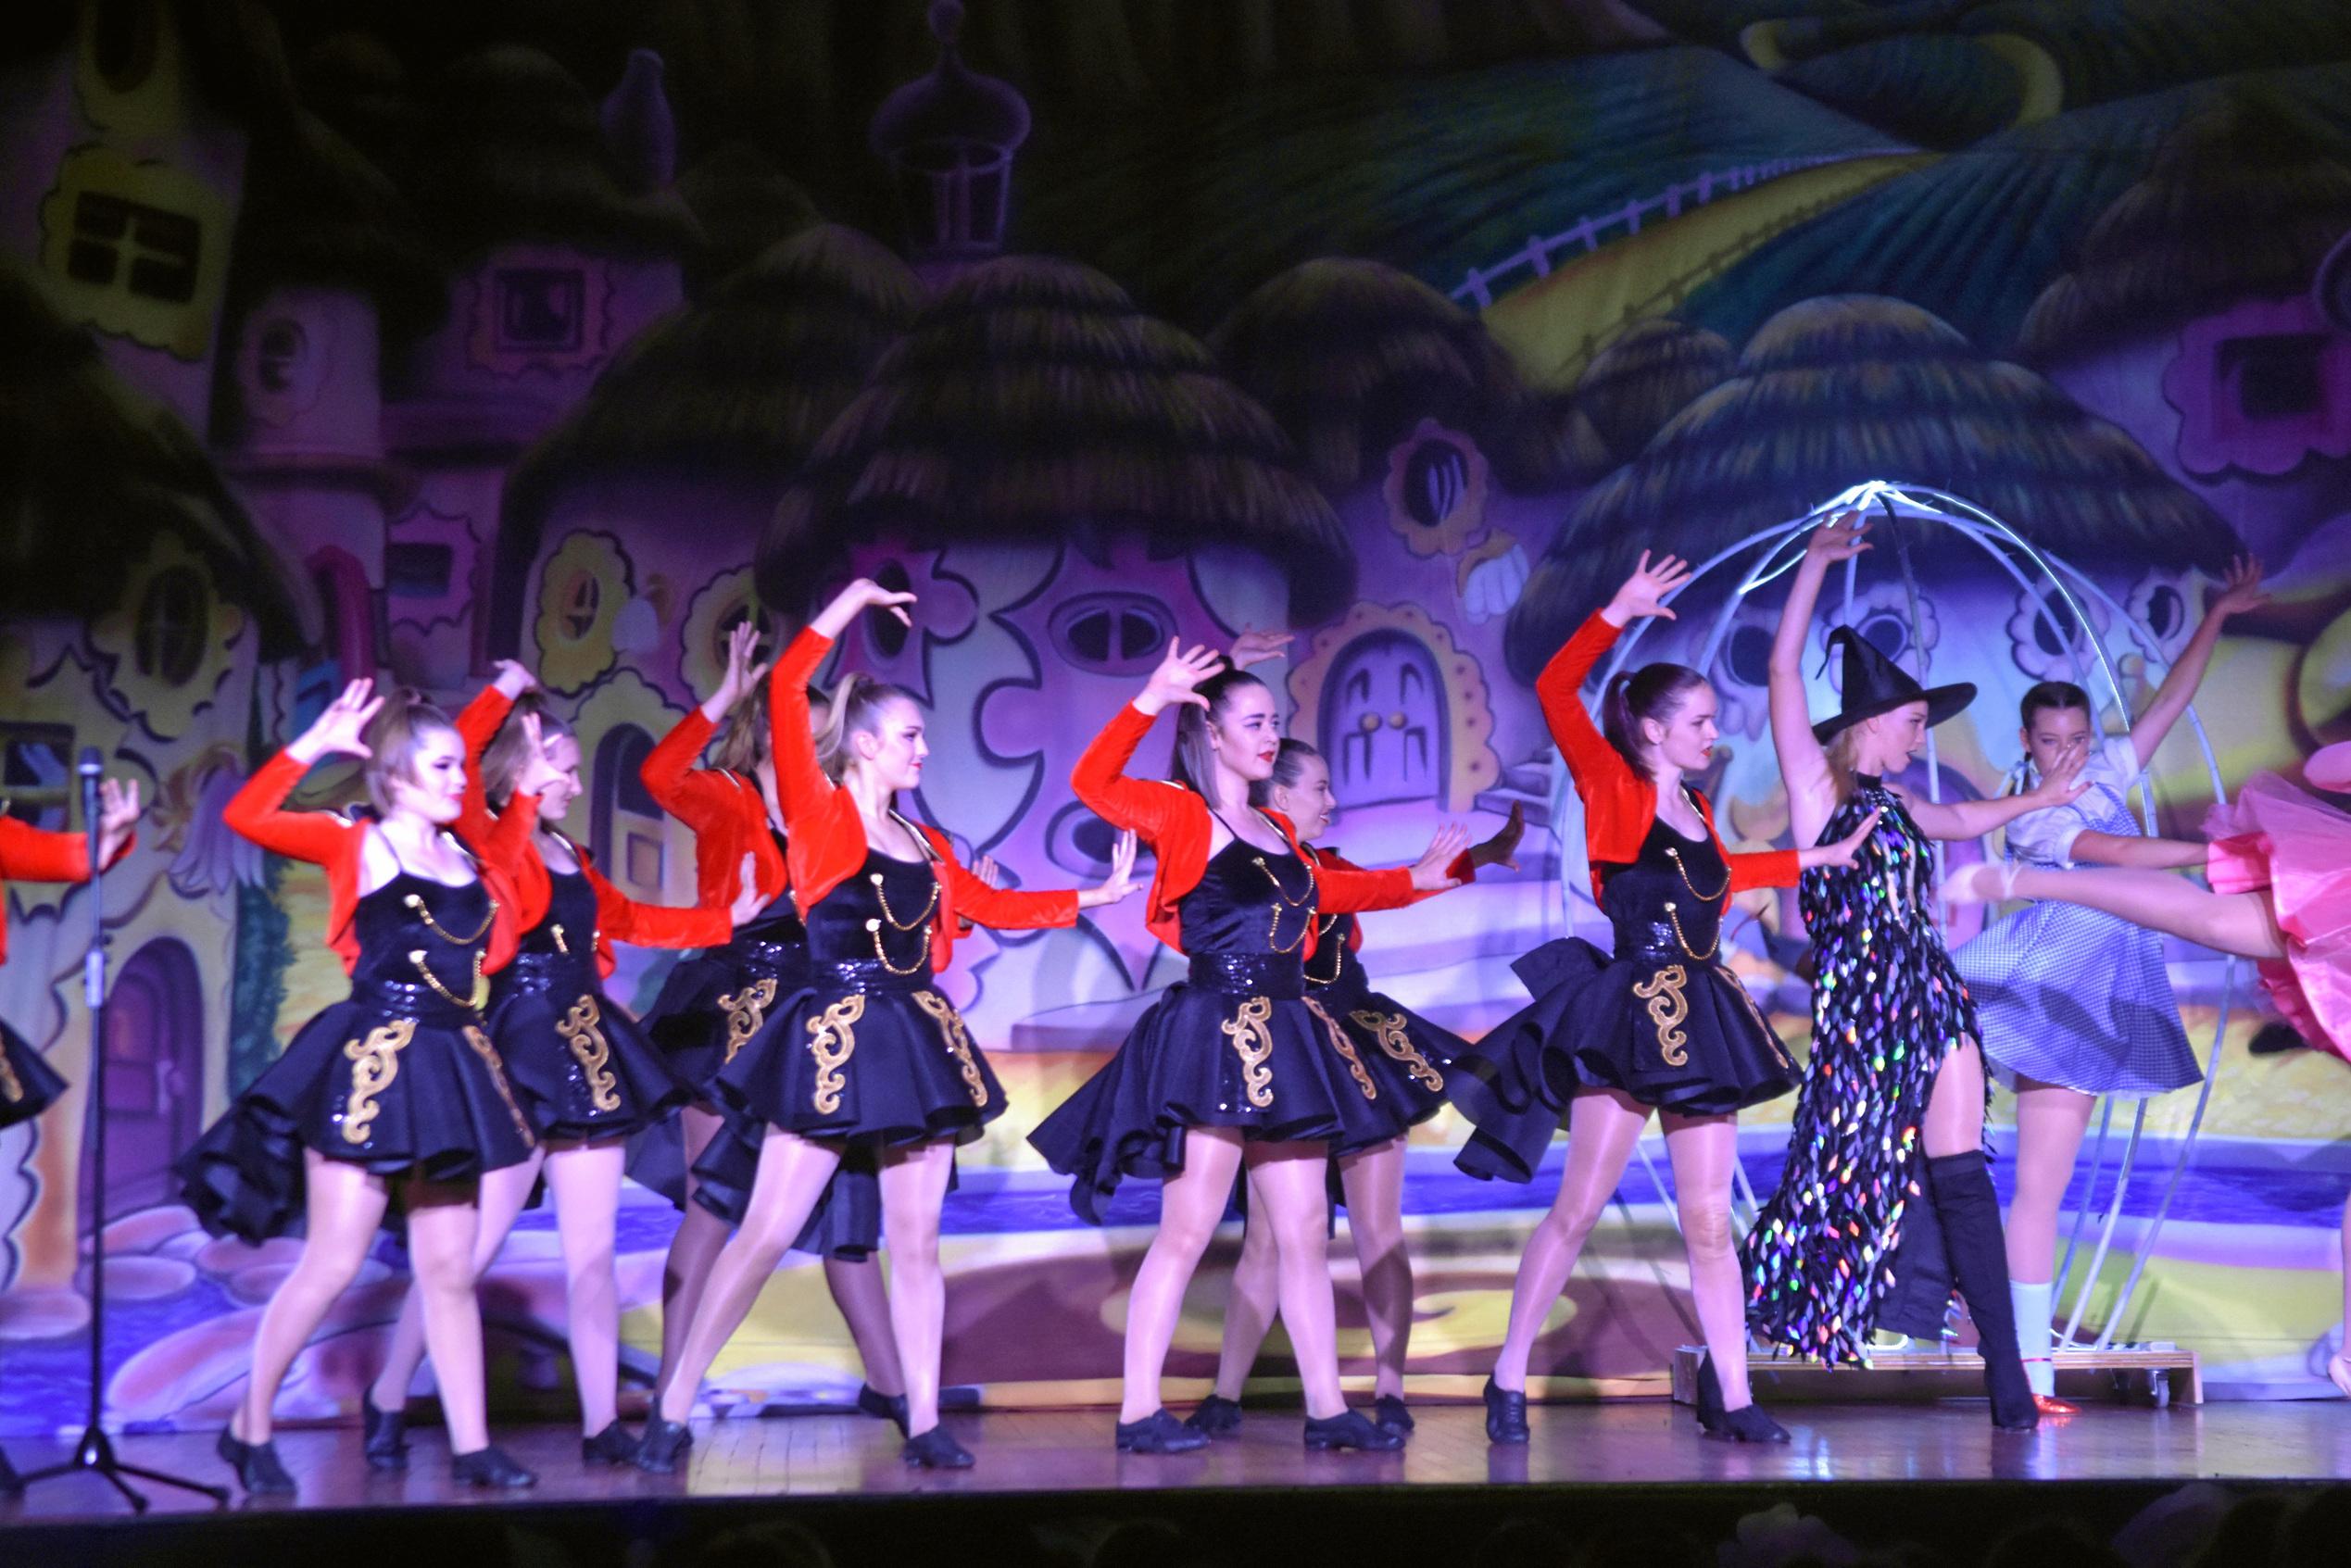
(1035, 1461)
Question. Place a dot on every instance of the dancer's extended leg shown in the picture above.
(1603, 1126)
(1704, 1150)
(1191, 1202)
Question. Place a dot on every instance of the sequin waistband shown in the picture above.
(1279, 975)
(399, 999)
(780, 957)
(867, 976)
(548, 971)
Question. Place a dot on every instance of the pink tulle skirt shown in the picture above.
(2277, 840)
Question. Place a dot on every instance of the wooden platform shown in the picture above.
(1634, 1465)
(2158, 1376)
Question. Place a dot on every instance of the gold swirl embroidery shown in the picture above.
(1346, 1048)
(746, 1010)
(1253, 1042)
(11, 1087)
(1387, 1030)
(1669, 1010)
(582, 1030)
(489, 1055)
(375, 1061)
(831, 1040)
(1772, 1038)
(959, 1041)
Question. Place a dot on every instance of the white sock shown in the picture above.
(2034, 1336)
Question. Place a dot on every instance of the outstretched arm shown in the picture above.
(1973, 818)
(1593, 763)
(2150, 854)
(30, 854)
(252, 811)
(2241, 591)
(1804, 767)
(1099, 780)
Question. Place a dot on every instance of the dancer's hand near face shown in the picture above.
(1256, 647)
(743, 674)
(1173, 681)
(336, 731)
(1646, 590)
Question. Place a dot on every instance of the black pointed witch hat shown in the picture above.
(1873, 684)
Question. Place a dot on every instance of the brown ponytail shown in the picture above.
(1653, 691)
(504, 759)
(1195, 762)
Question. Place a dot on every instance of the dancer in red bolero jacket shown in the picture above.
(397, 1090)
(868, 1056)
(715, 1001)
(29, 1085)
(1661, 1027)
(586, 1075)
(1234, 1067)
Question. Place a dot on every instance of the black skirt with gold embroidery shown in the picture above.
(29, 1085)
(581, 1068)
(397, 1079)
(1235, 1044)
(1673, 1032)
(863, 1055)
(1406, 1055)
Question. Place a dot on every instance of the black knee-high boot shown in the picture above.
(1969, 1211)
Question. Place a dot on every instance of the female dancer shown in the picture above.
(1407, 1055)
(2281, 875)
(1850, 1236)
(397, 1089)
(29, 1085)
(1664, 1027)
(867, 1056)
(2030, 973)
(714, 1002)
(586, 1075)
(1234, 1067)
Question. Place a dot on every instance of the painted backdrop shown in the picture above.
(361, 339)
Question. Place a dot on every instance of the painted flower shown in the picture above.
(1436, 490)
(1883, 615)
(172, 641)
(582, 590)
(2046, 635)
(720, 604)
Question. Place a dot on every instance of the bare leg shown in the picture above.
(444, 1222)
(343, 1204)
(2232, 922)
(865, 1301)
(791, 1178)
(1287, 1184)
(913, 1186)
(1953, 1123)
(587, 1179)
(1248, 1307)
(1704, 1149)
(1603, 1126)
(2051, 1120)
(1374, 1182)
(693, 1248)
(503, 1194)
(1190, 1204)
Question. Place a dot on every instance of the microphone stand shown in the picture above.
(95, 1453)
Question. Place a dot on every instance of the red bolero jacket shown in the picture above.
(32, 854)
(827, 838)
(337, 844)
(506, 837)
(1320, 858)
(1178, 826)
(728, 819)
(1619, 801)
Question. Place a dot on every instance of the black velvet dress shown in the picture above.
(400, 1078)
(1406, 1055)
(717, 1000)
(582, 1068)
(1664, 1020)
(1237, 1043)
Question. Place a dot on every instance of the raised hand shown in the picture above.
(747, 902)
(511, 680)
(1177, 674)
(863, 594)
(2241, 590)
(337, 730)
(1646, 590)
(1433, 871)
(742, 673)
(536, 772)
(117, 814)
(1840, 539)
(1120, 881)
(1503, 848)
(1256, 647)
(989, 872)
